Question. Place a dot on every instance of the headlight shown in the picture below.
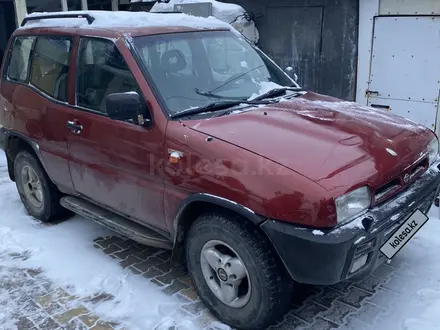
(433, 151)
(352, 204)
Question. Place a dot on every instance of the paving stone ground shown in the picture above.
(35, 303)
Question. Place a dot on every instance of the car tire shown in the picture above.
(39, 195)
(237, 241)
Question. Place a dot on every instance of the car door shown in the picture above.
(113, 163)
(35, 91)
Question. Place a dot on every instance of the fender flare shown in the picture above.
(225, 203)
(34, 145)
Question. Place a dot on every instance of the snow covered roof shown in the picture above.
(226, 12)
(112, 19)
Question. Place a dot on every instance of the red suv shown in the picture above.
(177, 132)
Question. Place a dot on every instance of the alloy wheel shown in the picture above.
(32, 186)
(225, 274)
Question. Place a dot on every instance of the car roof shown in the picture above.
(116, 24)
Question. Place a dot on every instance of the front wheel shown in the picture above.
(38, 194)
(235, 271)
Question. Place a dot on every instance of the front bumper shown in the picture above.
(327, 257)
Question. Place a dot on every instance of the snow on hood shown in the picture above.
(227, 12)
(111, 19)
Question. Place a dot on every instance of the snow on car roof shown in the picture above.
(112, 19)
(226, 12)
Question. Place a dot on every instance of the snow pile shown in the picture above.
(230, 13)
(112, 19)
(67, 257)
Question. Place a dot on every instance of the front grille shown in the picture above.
(387, 189)
(417, 170)
(390, 189)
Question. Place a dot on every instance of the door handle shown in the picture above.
(74, 127)
(380, 106)
(369, 93)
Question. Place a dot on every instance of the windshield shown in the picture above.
(194, 69)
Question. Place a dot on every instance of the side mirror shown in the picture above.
(125, 107)
(291, 73)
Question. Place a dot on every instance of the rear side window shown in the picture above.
(20, 59)
(50, 66)
(101, 71)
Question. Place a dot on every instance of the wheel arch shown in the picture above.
(195, 205)
(16, 142)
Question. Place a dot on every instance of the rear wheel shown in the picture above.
(38, 194)
(235, 271)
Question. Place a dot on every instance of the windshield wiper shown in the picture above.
(217, 96)
(215, 106)
(276, 92)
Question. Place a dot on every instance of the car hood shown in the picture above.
(335, 143)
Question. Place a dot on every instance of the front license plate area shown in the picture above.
(403, 234)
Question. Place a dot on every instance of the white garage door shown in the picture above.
(405, 67)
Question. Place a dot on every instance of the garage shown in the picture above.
(317, 38)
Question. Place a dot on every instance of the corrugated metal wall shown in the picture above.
(316, 37)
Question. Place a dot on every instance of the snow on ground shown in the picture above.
(66, 255)
(419, 306)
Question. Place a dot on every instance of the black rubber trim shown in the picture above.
(326, 257)
(161, 232)
(220, 201)
(12, 133)
(3, 138)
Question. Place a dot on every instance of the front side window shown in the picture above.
(101, 71)
(20, 57)
(50, 66)
(191, 70)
